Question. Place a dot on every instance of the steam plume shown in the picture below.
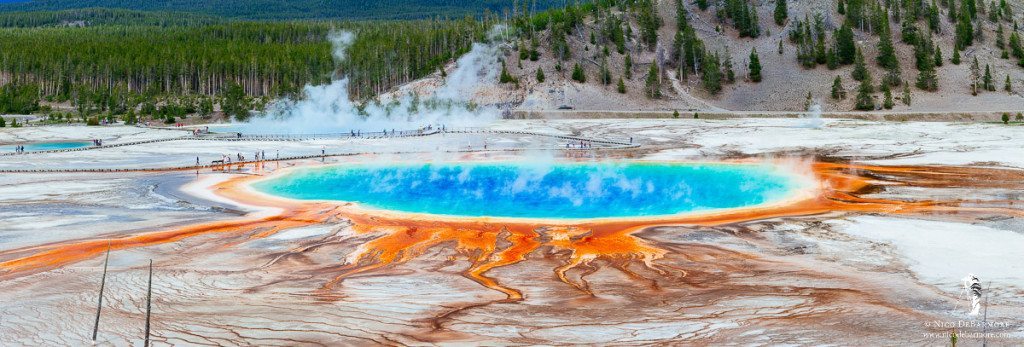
(328, 108)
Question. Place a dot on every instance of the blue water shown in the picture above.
(47, 146)
(570, 190)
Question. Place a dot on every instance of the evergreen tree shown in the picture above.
(886, 52)
(652, 85)
(845, 46)
(540, 75)
(927, 79)
(832, 59)
(987, 79)
(755, 65)
(621, 88)
(711, 74)
(956, 57)
(781, 12)
(702, 5)
(505, 77)
(235, 103)
(933, 17)
(864, 100)
(964, 31)
(628, 67)
(604, 75)
(888, 103)
(1008, 86)
(578, 74)
(838, 92)
(1000, 37)
(860, 69)
(3, 123)
(938, 56)
(649, 21)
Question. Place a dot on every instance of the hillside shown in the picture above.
(786, 81)
(285, 9)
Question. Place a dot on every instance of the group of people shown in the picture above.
(581, 144)
(226, 159)
(97, 142)
(19, 149)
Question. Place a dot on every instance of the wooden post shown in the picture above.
(149, 297)
(99, 305)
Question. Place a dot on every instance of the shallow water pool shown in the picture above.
(47, 146)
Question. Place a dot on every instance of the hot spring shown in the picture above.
(47, 146)
(558, 191)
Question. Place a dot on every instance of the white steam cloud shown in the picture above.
(328, 108)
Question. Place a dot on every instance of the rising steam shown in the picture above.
(328, 108)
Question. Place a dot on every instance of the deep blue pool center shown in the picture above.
(524, 190)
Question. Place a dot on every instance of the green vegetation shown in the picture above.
(781, 12)
(19, 98)
(293, 9)
(743, 16)
(652, 85)
(578, 74)
(838, 92)
(180, 61)
(755, 65)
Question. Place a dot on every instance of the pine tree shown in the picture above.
(712, 74)
(755, 64)
(540, 75)
(604, 75)
(628, 69)
(886, 52)
(956, 57)
(987, 79)
(864, 100)
(938, 56)
(652, 86)
(888, 103)
(730, 75)
(1008, 86)
(505, 77)
(781, 12)
(846, 48)
(1000, 37)
(838, 92)
(860, 69)
(578, 74)
(832, 59)
(621, 88)
(964, 31)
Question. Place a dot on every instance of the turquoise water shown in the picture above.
(47, 146)
(569, 190)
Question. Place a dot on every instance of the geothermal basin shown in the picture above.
(569, 190)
